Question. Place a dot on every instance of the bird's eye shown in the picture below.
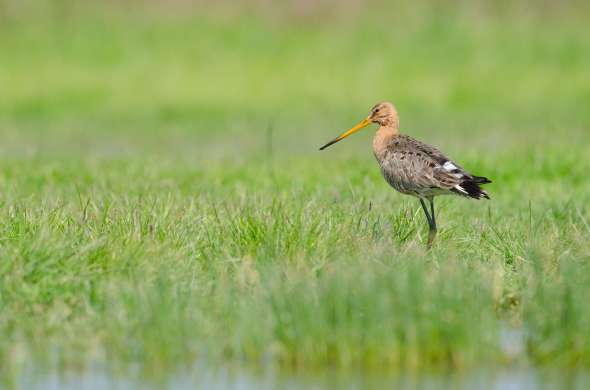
(376, 110)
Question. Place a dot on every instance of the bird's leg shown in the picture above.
(432, 231)
(426, 211)
(431, 221)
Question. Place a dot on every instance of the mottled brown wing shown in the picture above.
(415, 168)
(416, 173)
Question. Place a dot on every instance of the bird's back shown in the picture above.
(415, 168)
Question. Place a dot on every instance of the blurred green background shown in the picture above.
(163, 199)
(497, 73)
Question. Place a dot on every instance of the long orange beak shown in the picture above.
(360, 125)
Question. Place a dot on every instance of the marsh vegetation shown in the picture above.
(162, 199)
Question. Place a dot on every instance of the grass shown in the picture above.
(163, 199)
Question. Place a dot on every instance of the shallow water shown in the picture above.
(204, 376)
(224, 379)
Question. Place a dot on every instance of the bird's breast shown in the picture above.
(382, 142)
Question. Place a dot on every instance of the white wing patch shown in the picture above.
(458, 187)
(452, 168)
(449, 166)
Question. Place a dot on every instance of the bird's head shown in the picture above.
(383, 113)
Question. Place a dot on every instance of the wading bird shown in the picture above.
(414, 168)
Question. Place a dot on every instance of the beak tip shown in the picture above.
(359, 126)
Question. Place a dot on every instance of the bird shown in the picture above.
(414, 168)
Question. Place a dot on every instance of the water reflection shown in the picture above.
(506, 379)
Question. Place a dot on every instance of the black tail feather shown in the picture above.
(471, 188)
(481, 180)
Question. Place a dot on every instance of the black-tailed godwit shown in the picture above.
(414, 168)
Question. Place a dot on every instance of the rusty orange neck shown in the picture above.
(382, 138)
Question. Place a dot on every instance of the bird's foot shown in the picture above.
(431, 237)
